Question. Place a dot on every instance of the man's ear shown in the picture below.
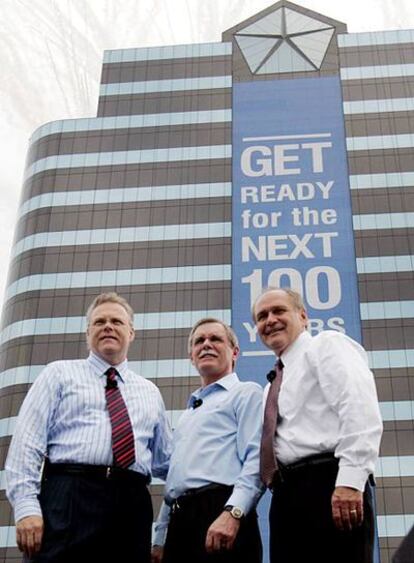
(304, 317)
(132, 334)
(236, 353)
(190, 357)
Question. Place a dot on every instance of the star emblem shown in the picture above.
(284, 41)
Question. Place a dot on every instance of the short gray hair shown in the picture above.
(231, 335)
(294, 296)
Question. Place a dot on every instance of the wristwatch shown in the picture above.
(235, 511)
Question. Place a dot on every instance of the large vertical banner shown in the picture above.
(292, 221)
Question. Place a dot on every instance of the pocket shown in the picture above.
(56, 501)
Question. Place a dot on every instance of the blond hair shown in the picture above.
(110, 297)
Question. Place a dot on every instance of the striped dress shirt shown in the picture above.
(64, 416)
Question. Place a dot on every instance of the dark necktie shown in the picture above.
(123, 447)
(268, 461)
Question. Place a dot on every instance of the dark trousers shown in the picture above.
(88, 519)
(188, 527)
(301, 523)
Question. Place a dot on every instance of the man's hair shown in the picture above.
(231, 335)
(294, 296)
(110, 297)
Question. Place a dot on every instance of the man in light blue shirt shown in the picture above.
(89, 506)
(213, 483)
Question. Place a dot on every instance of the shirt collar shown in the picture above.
(99, 365)
(290, 353)
(226, 382)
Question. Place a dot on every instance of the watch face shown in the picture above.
(236, 512)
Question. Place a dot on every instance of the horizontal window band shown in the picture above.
(390, 359)
(122, 235)
(377, 221)
(175, 320)
(76, 325)
(379, 181)
(146, 194)
(374, 38)
(94, 159)
(378, 106)
(395, 466)
(126, 195)
(90, 124)
(394, 525)
(165, 102)
(397, 410)
(124, 255)
(150, 369)
(141, 215)
(192, 51)
(387, 310)
(385, 264)
(149, 276)
(377, 71)
(169, 85)
(366, 266)
(380, 142)
(130, 176)
(182, 367)
(392, 411)
(381, 221)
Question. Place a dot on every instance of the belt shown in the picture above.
(290, 470)
(192, 495)
(96, 472)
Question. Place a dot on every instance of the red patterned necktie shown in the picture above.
(123, 447)
(268, 461)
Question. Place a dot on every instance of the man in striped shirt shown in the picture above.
(92, 502)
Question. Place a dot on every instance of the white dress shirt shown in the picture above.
(328, 403)
(64, 415)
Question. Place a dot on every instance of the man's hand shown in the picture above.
(222, 533)
(347, 508)
(29, 533)
(157, 553)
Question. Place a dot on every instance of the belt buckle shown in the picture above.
(108, 472)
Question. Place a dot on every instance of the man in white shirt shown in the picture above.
(326, 440)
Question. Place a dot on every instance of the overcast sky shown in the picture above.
(51, 56)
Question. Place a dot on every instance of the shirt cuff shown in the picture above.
(240, 499)
(353, 477)
(27, 507)
(160, 533)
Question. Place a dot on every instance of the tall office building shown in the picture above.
(282, 154)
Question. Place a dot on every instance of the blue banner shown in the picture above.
(292, 220)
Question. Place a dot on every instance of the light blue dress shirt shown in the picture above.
(217, 442)
(64, 415)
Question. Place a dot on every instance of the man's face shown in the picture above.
(211, 352)
(278, 321)
(110, 333)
